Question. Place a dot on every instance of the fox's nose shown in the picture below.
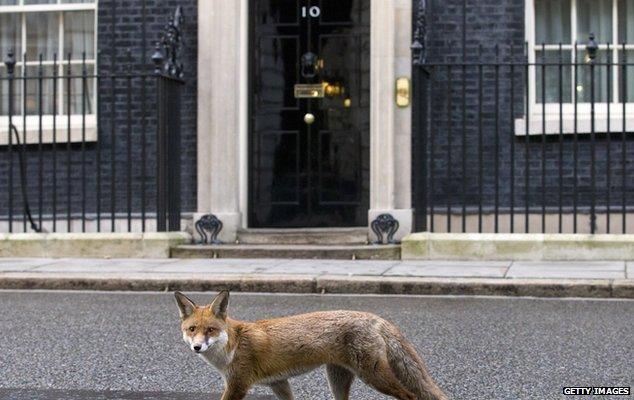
(197, 348)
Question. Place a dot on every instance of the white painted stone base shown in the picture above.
(231, 222)
(517, 247)
(91, 245)
(404, 217)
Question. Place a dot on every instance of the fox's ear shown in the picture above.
(219, 304)
(185, 305)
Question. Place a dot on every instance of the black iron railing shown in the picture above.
(91, 150)
(525, 139)
(169, 70)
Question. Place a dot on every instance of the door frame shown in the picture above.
(222, 157)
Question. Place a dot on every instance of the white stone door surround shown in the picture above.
(222, 129)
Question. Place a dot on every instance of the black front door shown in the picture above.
(310, 122)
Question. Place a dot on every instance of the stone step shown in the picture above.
(303, 236)
(347, 252)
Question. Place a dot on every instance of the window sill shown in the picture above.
(553, 126)
(61, 129)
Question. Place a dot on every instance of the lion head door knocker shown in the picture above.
(309, 65)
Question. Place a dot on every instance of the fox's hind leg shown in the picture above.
(282, 390)
(340, 381)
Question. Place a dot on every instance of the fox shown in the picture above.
(269, 352)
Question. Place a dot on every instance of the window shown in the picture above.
(554, 23)
(571, 21)
(61, 32)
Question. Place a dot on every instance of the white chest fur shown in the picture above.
(217, 354)
(219, 359)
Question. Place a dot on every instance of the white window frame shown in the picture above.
(30, 135)
(551, 111)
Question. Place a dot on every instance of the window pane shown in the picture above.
(79, 33)
(40, 1)
(552, 80)
(585, 76)
(628, 76)
(10, 35)
(79, 91)
(552, 21)
(8, 2)
(41, 35)
(594, 16)
(78, 1)
(626, 21)
(33, 90)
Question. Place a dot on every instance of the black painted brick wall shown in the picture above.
(488, 22)
(118, 33)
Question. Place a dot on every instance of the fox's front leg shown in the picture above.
(234, 391)
(282, 390)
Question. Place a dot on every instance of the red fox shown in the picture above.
(268, 352)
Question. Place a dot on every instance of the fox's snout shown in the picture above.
(199, 347)
(198, 343)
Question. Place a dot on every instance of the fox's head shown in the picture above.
(204, 327)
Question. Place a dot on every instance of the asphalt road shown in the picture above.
(95, 345)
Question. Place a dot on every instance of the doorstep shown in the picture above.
(288, 251)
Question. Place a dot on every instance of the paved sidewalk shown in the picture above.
(583, 279)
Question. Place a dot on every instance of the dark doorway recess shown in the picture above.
(305, 174)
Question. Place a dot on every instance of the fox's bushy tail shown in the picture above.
(409, 368)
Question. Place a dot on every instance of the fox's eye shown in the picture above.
(211, 330)
(192, 328)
